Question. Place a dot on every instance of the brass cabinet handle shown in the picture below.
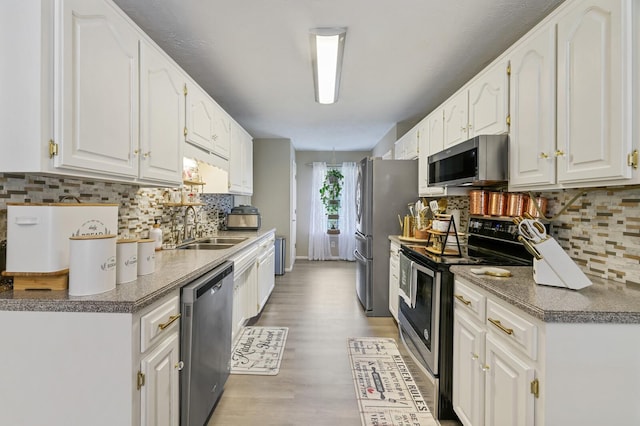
(147, 154)
(497, 323)
(485, 368)
(474, 356)
(544, 155)
(179, 365)
(172, 319)
(559, 153)
(463, 300)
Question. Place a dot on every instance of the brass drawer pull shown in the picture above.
(497, 323)
(463, 300)
(172, 319)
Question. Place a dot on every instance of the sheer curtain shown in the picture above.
(347, 239)
(318, 238)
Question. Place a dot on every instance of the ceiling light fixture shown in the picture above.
(327, 47)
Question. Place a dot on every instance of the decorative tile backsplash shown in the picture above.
(600, 231)
(138, 207)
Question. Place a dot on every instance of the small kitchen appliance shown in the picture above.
(243, 218)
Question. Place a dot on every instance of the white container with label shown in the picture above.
(93, 264)
(146, 256)
(127, 261)
(38, 233)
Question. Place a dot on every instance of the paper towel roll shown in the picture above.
(92, 264)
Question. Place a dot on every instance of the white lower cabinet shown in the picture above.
(493, 377)
(511, 369)
(508, 381)
(89, 368)
(159, 396)
(266, 271)
(394, 278)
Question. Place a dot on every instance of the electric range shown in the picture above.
(425, 313)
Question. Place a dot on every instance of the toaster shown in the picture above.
(243, 218)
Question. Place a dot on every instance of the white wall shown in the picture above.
(272, 171)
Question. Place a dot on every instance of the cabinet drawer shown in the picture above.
(157, 323)
(470, 301)
(516, 329)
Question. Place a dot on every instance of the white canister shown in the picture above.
(146, 256)
(127, 261)
(92, 264)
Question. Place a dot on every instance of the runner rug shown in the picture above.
(259, 350)
(386, 392)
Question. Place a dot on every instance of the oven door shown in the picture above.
(421, 323)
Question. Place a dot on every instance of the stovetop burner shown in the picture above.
(491, 241)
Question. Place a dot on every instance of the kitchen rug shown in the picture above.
(259, 351)
(386, 392)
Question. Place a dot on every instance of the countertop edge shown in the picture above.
(570, 315)
(91, 304)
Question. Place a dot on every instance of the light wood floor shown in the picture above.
(317, 301)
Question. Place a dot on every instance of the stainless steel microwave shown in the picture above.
(480, 161)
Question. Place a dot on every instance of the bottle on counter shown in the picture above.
(156, 234)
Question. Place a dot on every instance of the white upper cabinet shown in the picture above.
(456, 119)
(200, 117)
(97, 89)
(406, 148)
(162, 116)
(221, 132)
(489, 101)
(240, 161)
(533, 110)
(480, 108)
(423, 153)
(581, 135)
(594, 91)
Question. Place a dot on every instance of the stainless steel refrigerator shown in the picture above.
(384, 189)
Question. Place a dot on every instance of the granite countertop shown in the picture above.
(174, 269)
(603, 302)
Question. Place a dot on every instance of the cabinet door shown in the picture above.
(435, 129)
(508, 397)
(489, 101)
(160, 392)
(96, 106)
(423, 153)
(398, 149)
(456, 119)
(411, 149)
(394, 265)
(200, 118)
(235, 160)
(247, 173)
(266, 277)
(594, 91)
(221, 137)
(162, 117)
(532, 100)
(468, 377)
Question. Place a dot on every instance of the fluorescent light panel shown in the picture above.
(327, 46)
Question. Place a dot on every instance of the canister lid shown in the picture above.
(92, 237)
(122, 241)
(146, 240)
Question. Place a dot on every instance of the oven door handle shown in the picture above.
(414, 283)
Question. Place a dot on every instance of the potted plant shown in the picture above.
(330, 196)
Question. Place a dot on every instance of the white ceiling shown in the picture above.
(402, 58)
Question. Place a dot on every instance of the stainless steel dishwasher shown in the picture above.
(205, 343)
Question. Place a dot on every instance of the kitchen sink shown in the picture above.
(221, 240)
(213, 243)
(205, 246)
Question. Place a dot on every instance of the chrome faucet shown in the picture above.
(186, 234)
